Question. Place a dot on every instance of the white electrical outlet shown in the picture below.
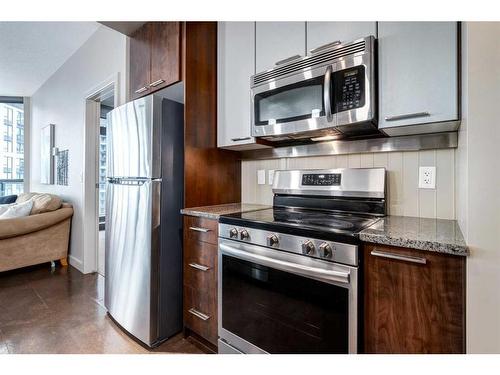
(261, 177)
(270, 176)
(427, 178)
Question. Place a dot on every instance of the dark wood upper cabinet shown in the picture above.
(412, 306)
(140, 62)
(165, 54)
(155, 57)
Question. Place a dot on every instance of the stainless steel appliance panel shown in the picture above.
(347, 97)
(355, 182)
(130, 231)
(133, 141)
(340, 276)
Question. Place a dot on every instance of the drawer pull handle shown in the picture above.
(142, 89)
(407, 116)
(156, 83)
(199, 229)
(404, 258)
(240, 139)
(199, 267)
(198, 314)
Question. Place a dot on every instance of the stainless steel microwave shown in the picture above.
(329, 93)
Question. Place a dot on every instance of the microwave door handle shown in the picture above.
(327, 97)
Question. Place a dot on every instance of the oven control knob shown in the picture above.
(325, 250)
(273, 240)
(233, 233)
(307, 248)
(244, 234)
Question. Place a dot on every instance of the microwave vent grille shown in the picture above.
(315, 60)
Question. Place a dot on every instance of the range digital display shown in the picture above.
(326, 179)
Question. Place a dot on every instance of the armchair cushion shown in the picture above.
(42, 202)
(24, 225)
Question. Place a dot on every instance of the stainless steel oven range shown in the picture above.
(288, 276)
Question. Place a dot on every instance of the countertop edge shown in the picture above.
(423, 245)
(206, 215)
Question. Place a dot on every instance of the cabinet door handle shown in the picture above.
(156, 83)
(324, 46)
(198, 229)
(199, 267)
(142, 89)
(288, 59)
(198, 314)
(240, 139)
(404, 258)
(407, 116)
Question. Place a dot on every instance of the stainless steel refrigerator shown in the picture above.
(144, 195)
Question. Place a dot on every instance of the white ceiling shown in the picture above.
(30, 52)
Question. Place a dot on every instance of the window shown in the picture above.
(7, 167)
(11, 145)
(20, 140)
(20, 169)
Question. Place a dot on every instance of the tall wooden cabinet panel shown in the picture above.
(275, 41)
(155, 57)
(321, 33)
(211, 176)
(140, 62)
(414, 304)
(418, 77)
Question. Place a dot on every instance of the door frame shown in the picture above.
(90, 178)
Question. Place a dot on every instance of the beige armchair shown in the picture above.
(35, 239)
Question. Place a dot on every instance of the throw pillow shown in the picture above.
(18, 210)
(8, 199)
(5, 207)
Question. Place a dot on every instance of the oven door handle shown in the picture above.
(327, 97)
(282, 265)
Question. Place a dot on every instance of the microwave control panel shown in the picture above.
(349, 88)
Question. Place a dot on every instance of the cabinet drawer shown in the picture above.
(200, 265)
(200, 313)
(200, 229)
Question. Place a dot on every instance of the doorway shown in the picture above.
(99, 103)
(106, 106)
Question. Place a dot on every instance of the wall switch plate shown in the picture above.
(261, 177)
(270, 177)
(427, 178)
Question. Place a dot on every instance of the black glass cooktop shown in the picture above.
(322, 224)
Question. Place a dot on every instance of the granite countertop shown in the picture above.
(443, 236)
(214, 212)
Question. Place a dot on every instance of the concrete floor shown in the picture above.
(61, 312)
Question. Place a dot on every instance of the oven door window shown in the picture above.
(280, 312)
(299, 101)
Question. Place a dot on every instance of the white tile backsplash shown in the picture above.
(404, 196)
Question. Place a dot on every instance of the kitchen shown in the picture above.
(267, 185)
(327, 133)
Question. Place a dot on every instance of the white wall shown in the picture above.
(478, 166)
(404, 196)
(61, 101)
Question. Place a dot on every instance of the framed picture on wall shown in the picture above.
(46, 157)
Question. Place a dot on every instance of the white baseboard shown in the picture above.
(75, 262)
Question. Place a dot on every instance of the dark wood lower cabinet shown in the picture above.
(200, 277)
(414, 304)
